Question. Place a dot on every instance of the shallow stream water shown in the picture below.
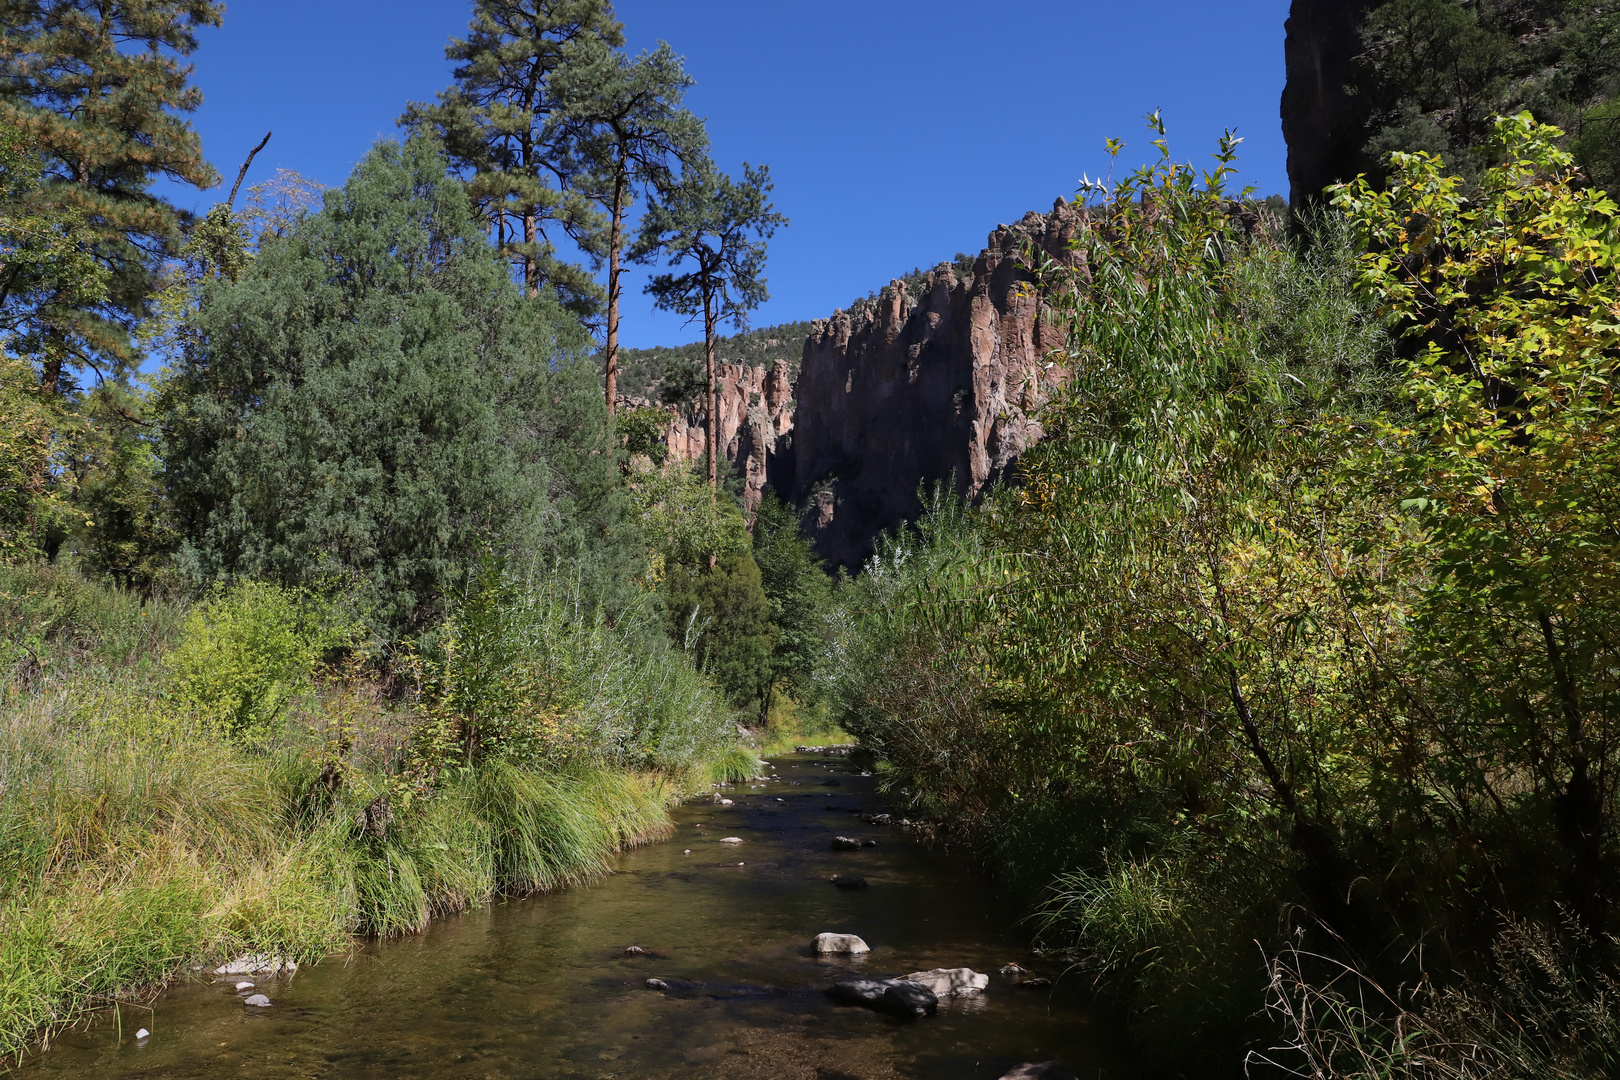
(541, 988)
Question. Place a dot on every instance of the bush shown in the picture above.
(246, 652)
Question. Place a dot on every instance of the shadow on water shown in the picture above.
(542, 987)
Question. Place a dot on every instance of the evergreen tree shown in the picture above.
(95, 89)
(498, 124)
(703, 224)
(725, 605)
(1432, 74)
(798, 594)
(372, 400)
(624, 123)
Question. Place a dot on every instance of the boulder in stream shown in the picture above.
(258, 1001)
(731, 839)
(1045, 1070)
(254, 963)
(950, 982)
(897, 996)
(845, 843)
(840, 943)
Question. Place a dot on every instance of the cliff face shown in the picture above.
(940, 387)
(918, 388)
(755, 404)
(1322, 123)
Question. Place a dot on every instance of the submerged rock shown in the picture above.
(241, 986)
(1045, 1070)
(634, 950)
(840, 943)
(849, 881)
(1012, 970)
(845, 843)
(258, 1001)
(1033, 984)
(950, 982)
(898, 996)
(731, 839)
(906, 998)
(656, 984)
(254, 963)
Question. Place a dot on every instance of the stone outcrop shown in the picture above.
(939, 387)
(930, 384)
(1322, 122)
(755, 405)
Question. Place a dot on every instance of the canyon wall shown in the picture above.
(926, 385)
(1322, 122)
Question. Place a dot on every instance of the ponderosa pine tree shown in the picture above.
(497, 124)
(622, 119)
(704, 224)
(373, 401)
(96, 91)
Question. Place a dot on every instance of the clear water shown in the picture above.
(541, 987)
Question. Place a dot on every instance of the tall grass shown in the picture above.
(140, 836)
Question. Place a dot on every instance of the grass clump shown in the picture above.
(230, 792)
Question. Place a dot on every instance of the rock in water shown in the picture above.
(731, 839)
(840, 943)
(143, 1033)
(1045, 1070)
(845, 843)
(898, 996)
(948, 982)
(858, 991)
(634, 950)
(1033, 984)
(905, 998)
(253, 963)
(849, 881)
(1013, 969)
(657, 984)
(241, 986)
(258, 1001)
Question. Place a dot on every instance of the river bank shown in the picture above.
(542, 987)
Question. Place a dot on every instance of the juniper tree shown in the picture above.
(372, 401)
(623, 122)
(497, 124)
(703, 225)
(97, 90)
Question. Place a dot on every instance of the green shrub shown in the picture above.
(246, 652)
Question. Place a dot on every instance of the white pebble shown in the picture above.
(143, 1033)
(688, 851)
(742, 864)
(731, 839)
(241, 986)
(258, 1001)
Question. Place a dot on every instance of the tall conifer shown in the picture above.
(702, 225)
(94, 89)
(622, 120)
(496, 125)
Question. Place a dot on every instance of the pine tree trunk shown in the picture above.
(531, 265)
(614, 239)
(713, 432)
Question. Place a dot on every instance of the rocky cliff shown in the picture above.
(1323, 123)
(935, 381)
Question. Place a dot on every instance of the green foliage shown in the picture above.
(674, 374)
(723, 617)
(373, 400)
(798, 595)
(247, 652)
(683, 521)
(1432, 74)
(54, 623)
(703, 226)
(98, 92)
(530, 670)
(1507, 473)
(645, 433)
(497, 124)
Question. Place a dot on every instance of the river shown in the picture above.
(542, 988)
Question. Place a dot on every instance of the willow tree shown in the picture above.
(497, 124)
(622, 119)
(712, 229)
(98, 93)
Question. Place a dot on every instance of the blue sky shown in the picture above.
(899, 132)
